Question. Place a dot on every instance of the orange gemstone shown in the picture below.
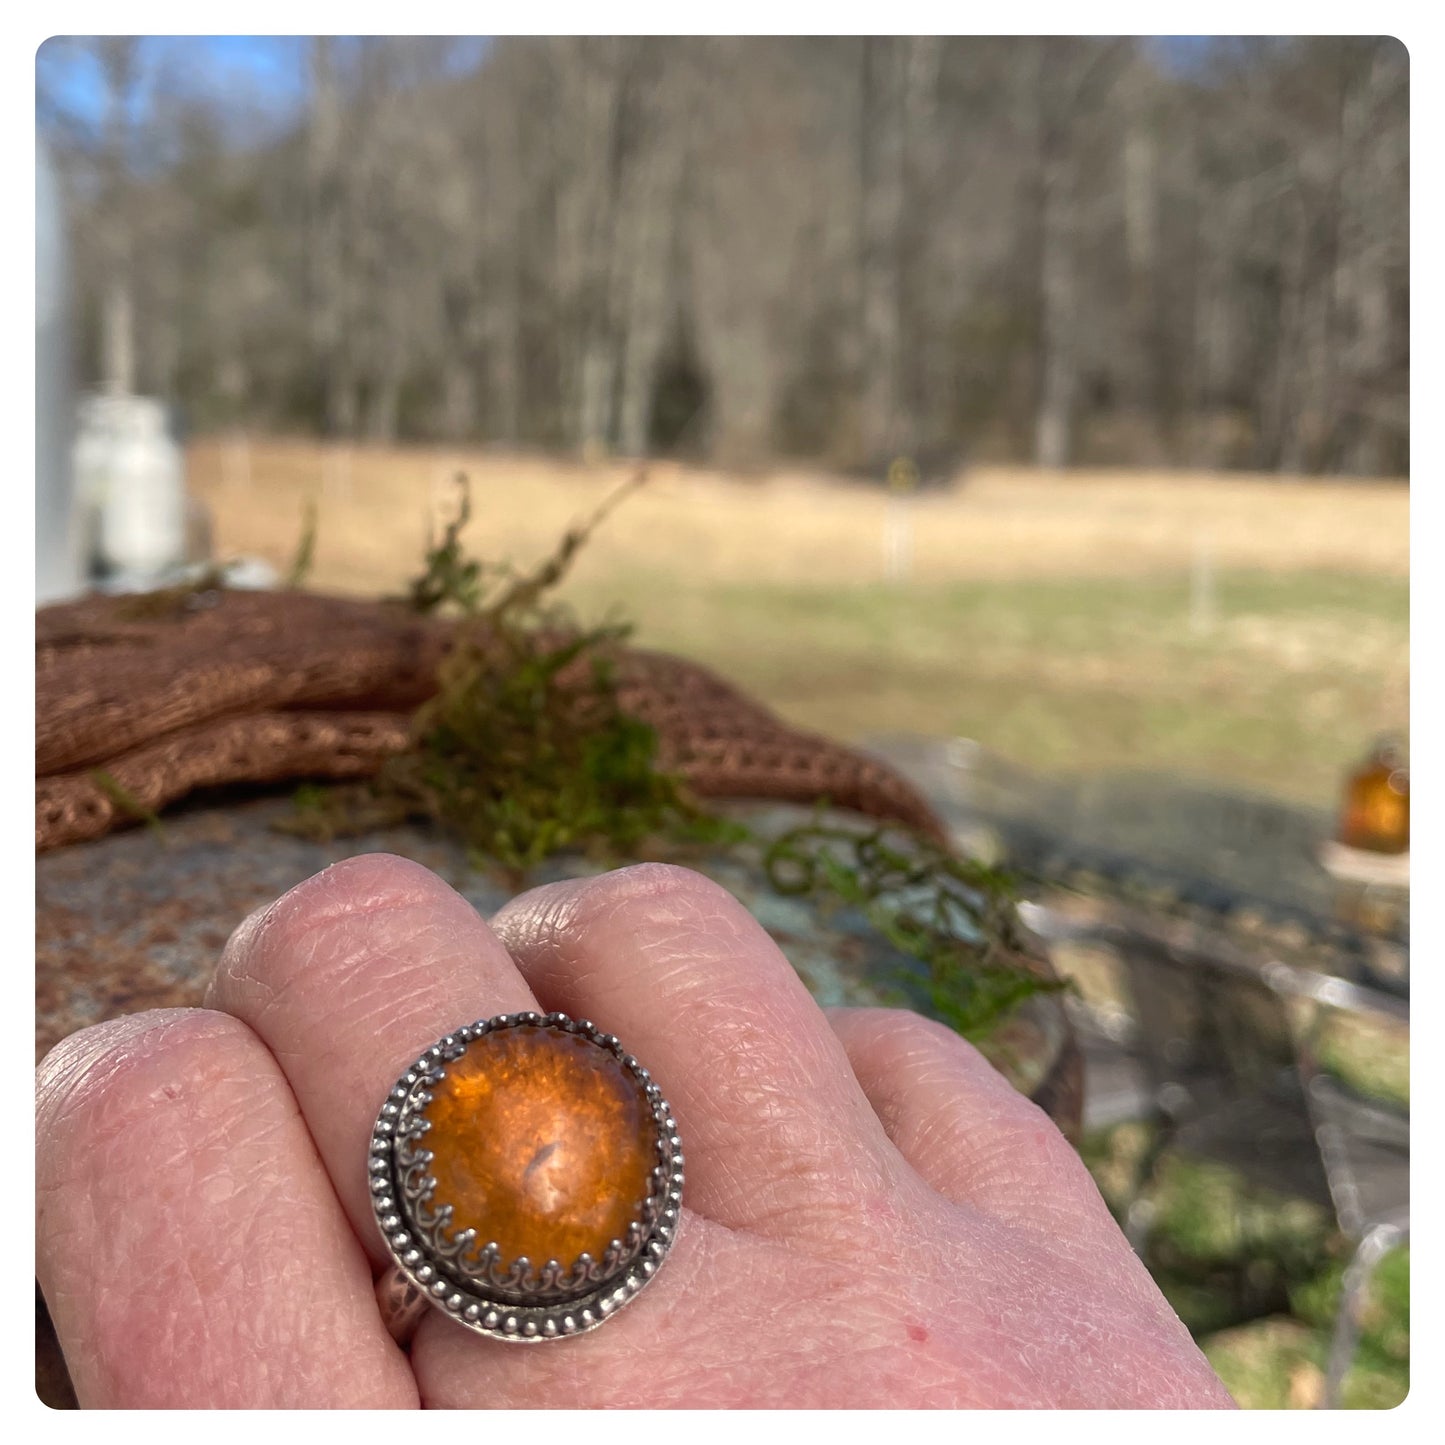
(543, 1142)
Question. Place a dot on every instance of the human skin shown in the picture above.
(873, 1217)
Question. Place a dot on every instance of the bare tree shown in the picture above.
(117, 58)
(1064, 248)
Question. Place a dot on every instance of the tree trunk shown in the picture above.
(459, 401)
(384, 406)
(1149, 399)
(597, 378)
(881, 159)
(326, 267)
(117, 55)
(924, 383)
(1361, 288)
(343, 403)
(1054, 422)
(118, 337)
(647, 286)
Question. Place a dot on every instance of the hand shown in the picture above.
(873, 1216)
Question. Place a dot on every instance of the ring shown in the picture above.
(526, 1175)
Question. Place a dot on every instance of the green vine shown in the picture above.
(125, 800)
(301, 563)
(955, 916)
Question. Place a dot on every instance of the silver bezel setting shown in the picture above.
(516, 1300)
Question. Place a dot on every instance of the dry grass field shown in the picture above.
(1047, 615)
(793, 527)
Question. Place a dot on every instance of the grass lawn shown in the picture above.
(1222, 1253)
(1296, 675)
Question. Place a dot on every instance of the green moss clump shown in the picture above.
(168, 604)
(525, 749)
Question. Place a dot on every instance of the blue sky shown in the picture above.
(273, 64)
(265, 74)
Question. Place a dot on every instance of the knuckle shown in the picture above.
(369, 883)
(101, 1079)
(262, 950)
(906, 1034)
(892, 1043)
(654, 892)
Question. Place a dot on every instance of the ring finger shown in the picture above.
(347, 978)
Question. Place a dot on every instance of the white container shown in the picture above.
(95, 443)
(132, 473)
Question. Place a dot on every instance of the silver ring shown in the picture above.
(526, 1175)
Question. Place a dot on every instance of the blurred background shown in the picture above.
(1031, 410)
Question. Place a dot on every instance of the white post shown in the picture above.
(1203, 605)
(442, 504)
(898, 539)
(336, 472)
(898, 520)
(236, 463)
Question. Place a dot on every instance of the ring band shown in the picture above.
(526, 1176)
(402, 1304)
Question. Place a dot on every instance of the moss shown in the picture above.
(525, 749)
(172, 603)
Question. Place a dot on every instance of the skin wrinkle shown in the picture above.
(333, 916)
(330, 956)
(1016, 1278)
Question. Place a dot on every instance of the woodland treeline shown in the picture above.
(1063, 250)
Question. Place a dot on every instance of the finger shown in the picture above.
(347, 979)
(188, 1241)
(963, 1126)
(779, 1137)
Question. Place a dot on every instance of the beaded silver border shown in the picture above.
(515, 1300)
